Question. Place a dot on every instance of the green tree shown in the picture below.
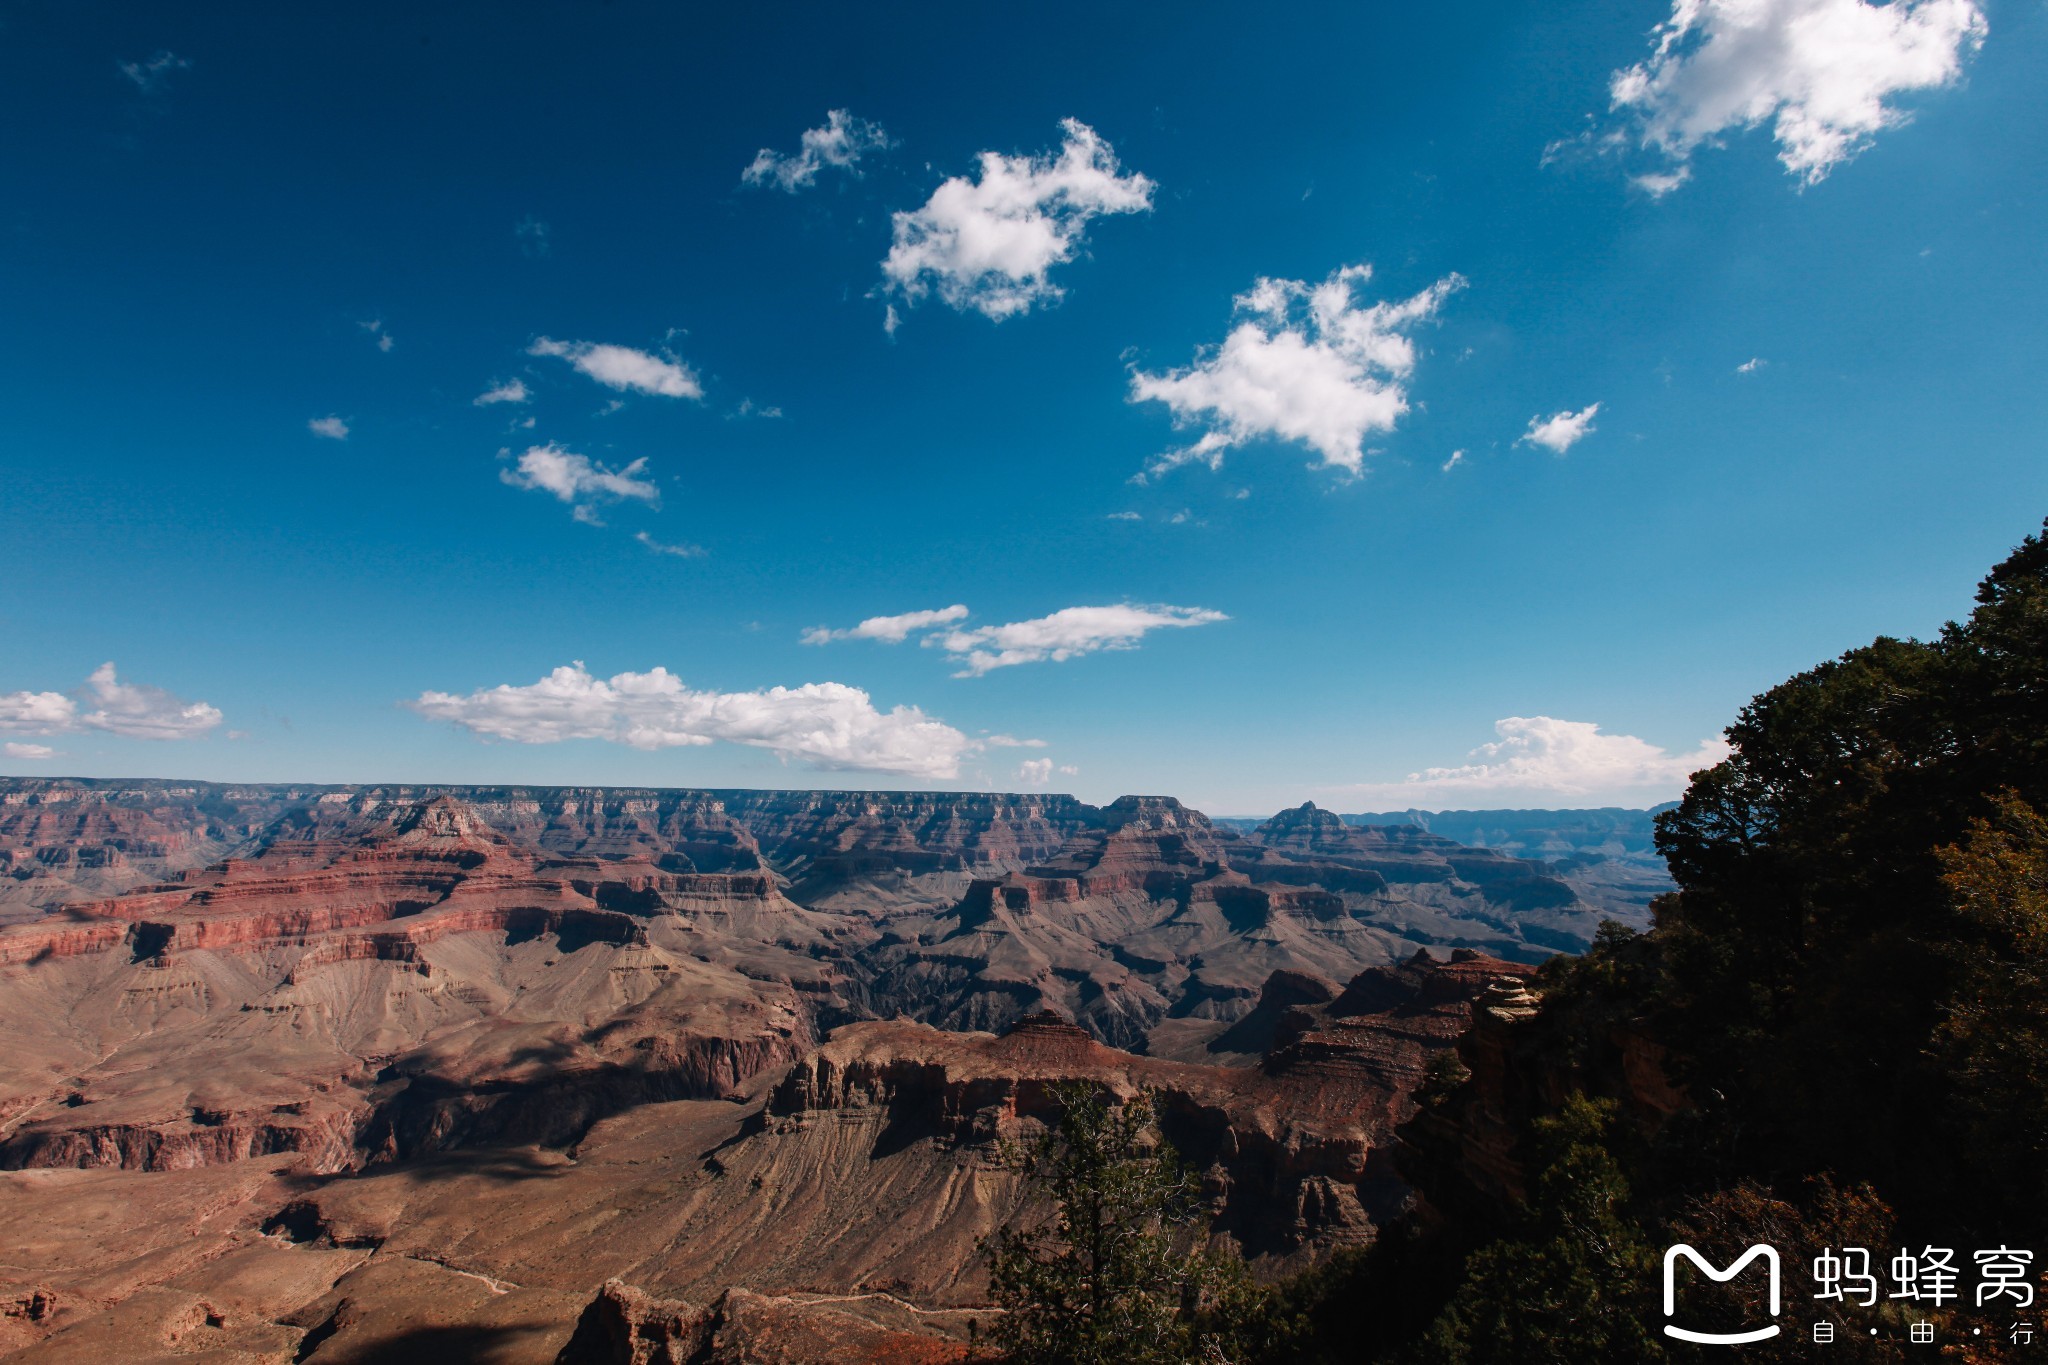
(1994, 1039)
(1571, 1282)
(1105, 1281)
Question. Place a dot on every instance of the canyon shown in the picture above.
(392, 1072)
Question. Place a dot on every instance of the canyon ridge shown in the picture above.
(367, 1073)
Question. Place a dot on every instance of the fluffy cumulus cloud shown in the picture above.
(1824, 74)
(575, 478)
(1063, 635)
(31, 752)
(511, 391)
(823, 725)
(1310, 364)
(989, 243)
(333, 428)
(1034, 772)
(623, 368)
(840, 145)
(1561, 431)
(105, 703)
(893, 630)
(1540, 760)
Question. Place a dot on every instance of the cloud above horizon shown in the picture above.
(1822, 73)
(1560, 431)
(149, 76)
(839, 144)
(623, 368)
(511, 391)
(577, 479)
(130, 710)
(989, 244)
(1539, 760)
(893, 630)
(32, 752)
(1309, 364)
(1063, 635)
(333, 428)
(827, 726)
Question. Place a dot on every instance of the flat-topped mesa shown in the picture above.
(1311, 844)
(1151, 844)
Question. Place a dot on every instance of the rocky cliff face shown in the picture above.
(422, 983)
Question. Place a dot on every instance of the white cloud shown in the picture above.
(824, 725)
(1034, 772)
(1012, 742)
(1820, 72)
(1308, 364)
(141, 712)
(29, 751)
(623, 368)
(1561, 431)
(333, 428)
(375, 327)
(1539, 760)
(1751, 365)
(128, 709)
(149, 76)
(988, 244)
(892, 630)
(1457, 458)
(1124, 516)
(511, 391)
(38, 713)
(1064, 635)
(749, 408)
(534, 237)
(570, 476)
(840, 144)
(679, 551)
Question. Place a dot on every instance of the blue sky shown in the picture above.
(259, 267)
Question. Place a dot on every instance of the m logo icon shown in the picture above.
(1769, 1255)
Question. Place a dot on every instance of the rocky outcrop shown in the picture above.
(624, 1326)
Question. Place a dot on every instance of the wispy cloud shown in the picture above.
(332, 427)
(510, 391)
(1457, 458)
(623, 368)
(1063, 635)
(893, 630)
(149, 75)
(1034, 772)
(573, 478)
(988, 244)
(382, 334)
(1561, 431)
(660, 548)
(1012, 742)
(839, 144)
(1824, 74)
(1751, 365)
(535, 238)
(823, 725)
(131, 710)
(31, 752)
(1540, 760)
(1309, 364)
